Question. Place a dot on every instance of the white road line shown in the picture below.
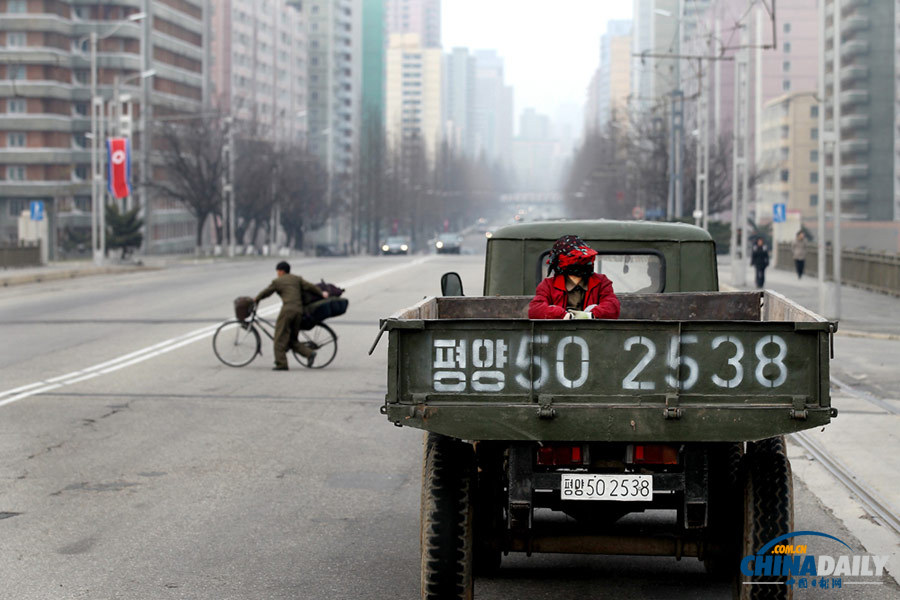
(158, 349)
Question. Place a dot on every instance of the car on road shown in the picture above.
(398, 244)
(448, 243)
(682, 405)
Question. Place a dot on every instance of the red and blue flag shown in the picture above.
(118, 167)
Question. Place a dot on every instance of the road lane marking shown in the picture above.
(160, 348)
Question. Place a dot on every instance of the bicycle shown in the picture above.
(237, 342)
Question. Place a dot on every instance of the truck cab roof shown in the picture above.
(603, 229)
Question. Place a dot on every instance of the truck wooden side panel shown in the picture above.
(676, 367)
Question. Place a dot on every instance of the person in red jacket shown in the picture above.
(574, 285)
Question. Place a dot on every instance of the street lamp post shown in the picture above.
(98, 218)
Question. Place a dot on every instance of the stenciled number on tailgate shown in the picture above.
(535, 363)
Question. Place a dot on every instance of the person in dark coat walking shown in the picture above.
(575, 291)
(291, 289)
(760, 260)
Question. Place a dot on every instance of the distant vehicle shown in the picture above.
(448, 243)
(398, 244)
(330, 250)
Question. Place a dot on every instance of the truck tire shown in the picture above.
(768, 512)
(726, 512)
(489, 522)
(447, 519)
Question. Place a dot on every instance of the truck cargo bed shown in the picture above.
(700, 366)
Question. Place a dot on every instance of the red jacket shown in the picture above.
(550, 298)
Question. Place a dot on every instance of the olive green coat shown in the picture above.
(287, 327)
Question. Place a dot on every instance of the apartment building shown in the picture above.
(45, 105)
(414, 82)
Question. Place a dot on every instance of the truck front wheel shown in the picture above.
(447, 519)
(768, 513)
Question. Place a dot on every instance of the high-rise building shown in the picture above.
(655, 32)
(373, 63)
(459, 99)
(333, 81)
(414, 80)
(416, 16)
(259, 65)
(492, 123)
(45, 104)
(535, 153)
(614, 75)
(869, 104)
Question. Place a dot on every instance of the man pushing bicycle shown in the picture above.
(291, 289)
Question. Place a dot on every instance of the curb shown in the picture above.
(70, 274)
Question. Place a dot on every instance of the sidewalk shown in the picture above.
(862, 312)
(66, 270)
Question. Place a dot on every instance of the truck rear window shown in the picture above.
(638, 271)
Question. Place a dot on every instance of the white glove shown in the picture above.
(568, 316)
(581, 314)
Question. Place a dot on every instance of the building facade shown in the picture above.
(870, 113)
(459, 99)
(414, 82)
(259, 65)
(45, 80)
(790, 155)
(614, 81)
(416, 16)
(492, 117)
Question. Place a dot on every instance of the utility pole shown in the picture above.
(740, 150)
(146, 117)
(836, 179)
(701, 189)
(228, 185)
(820, 205)
(96, 172)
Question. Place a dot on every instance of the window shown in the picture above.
(636, 272)
(814, 156)
(786, 85)
(16, 6)
(81, 108)
(814, 177)
(16, 105)
(81, 172)
(16, 206)
(16, 173)
(15, 39)
(784, 174)
(787, 28)
(15, 140)
(785, 130)
(813, 199)
(17, 72)
(787, 47)
(786, 66)
(814, 110)
(814, 133)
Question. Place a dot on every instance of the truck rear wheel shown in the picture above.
(726, 514)
(768, 513)
(447, 519)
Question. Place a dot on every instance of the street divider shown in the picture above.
(139, 356)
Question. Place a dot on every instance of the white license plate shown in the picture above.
(632, 488)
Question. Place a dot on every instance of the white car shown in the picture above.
(397, 244)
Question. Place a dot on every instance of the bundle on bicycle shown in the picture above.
(299, 327)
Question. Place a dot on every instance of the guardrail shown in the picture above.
(20, 256)
(876, 271)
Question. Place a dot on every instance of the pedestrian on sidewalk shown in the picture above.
(760, 260)
(798, 247)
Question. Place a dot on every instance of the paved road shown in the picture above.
(161, 473)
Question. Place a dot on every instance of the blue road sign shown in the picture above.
(37, 210)
(779, 213)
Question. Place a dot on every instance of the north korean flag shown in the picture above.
(118, 169)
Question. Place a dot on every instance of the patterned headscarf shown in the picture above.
(570, 251)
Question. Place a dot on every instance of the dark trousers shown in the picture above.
(287, 328)
(760, 277)
(799, 264)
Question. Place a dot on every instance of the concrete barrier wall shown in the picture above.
(20, 256)
(877, 271)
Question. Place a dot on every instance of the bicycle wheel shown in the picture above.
(236, 343)
(323, 340)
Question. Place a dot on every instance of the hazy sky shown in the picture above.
(551, 47)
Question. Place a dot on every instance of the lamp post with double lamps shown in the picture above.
(98, 219)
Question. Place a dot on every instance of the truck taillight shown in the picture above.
(655, 454)
(554, 456)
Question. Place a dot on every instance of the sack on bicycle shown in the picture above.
(243, 307)
(323, 309)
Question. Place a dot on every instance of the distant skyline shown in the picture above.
(550, 48)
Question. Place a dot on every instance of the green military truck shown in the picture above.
(543, 434)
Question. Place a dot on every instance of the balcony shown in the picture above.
(854, 97)
(854, 171)
(850, 195)
(853, 73)
(854, 23)
(854, 122)
(854, 48)
(850, 5)
(857, 146)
